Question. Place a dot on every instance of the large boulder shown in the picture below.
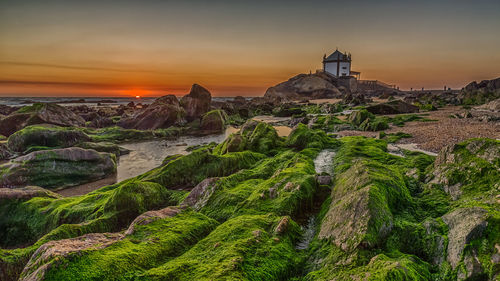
(57, 168)
(393, 107)
(197, 102)
(360, 214)
(26, 193)
(305, 86)
(214, 122)
(162, 113)
(39, 113)
(45, 135)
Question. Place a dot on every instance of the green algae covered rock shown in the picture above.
(39, 113)
(157, 236)
(469, 168)
(214, 121)
(243, 248)
(253, 135)
(57, 168)
(382, 219)
(373, 189)
(302, 137)
(47, 136)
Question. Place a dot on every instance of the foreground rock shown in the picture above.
(197, 102)
(39, 113)
(57, 168)
(45, 136)
(162, 113)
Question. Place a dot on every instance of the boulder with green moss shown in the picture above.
(57, 168)
(214, 121)
(45, 135)
(253, 135)
(39, 113)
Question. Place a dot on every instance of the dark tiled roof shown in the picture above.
(337, 55)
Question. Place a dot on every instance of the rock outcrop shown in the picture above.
(57, 168)
(45, 136)
(162, 113)
(201, 193)
(305, 86)
(197, 102)
(39, 113)
(473, 162)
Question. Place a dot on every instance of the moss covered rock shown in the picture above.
(57, 168)
(253, 135)
(39, 113)
(47, 136)
(360, 212)
(214, 121)
(471, 167)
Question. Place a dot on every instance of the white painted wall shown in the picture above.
(331, 67)
(347, 70)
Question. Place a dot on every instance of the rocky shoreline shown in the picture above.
(329, 199)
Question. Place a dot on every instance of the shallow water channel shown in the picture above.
(148, 155)
(323, 164)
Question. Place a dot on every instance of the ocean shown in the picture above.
(89, 101)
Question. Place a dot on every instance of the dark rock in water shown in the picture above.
(214, 121)
(306, 86)
(393, 107)
(57, 168)
(201, 193)
(197, 102)
(162, 113)
(45, 135)
(39, 113)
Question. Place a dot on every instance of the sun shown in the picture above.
(137, 97)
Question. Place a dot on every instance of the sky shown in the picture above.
(152, 47)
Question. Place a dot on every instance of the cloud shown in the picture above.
(61, 66)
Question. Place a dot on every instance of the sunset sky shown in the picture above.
(153, 47)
